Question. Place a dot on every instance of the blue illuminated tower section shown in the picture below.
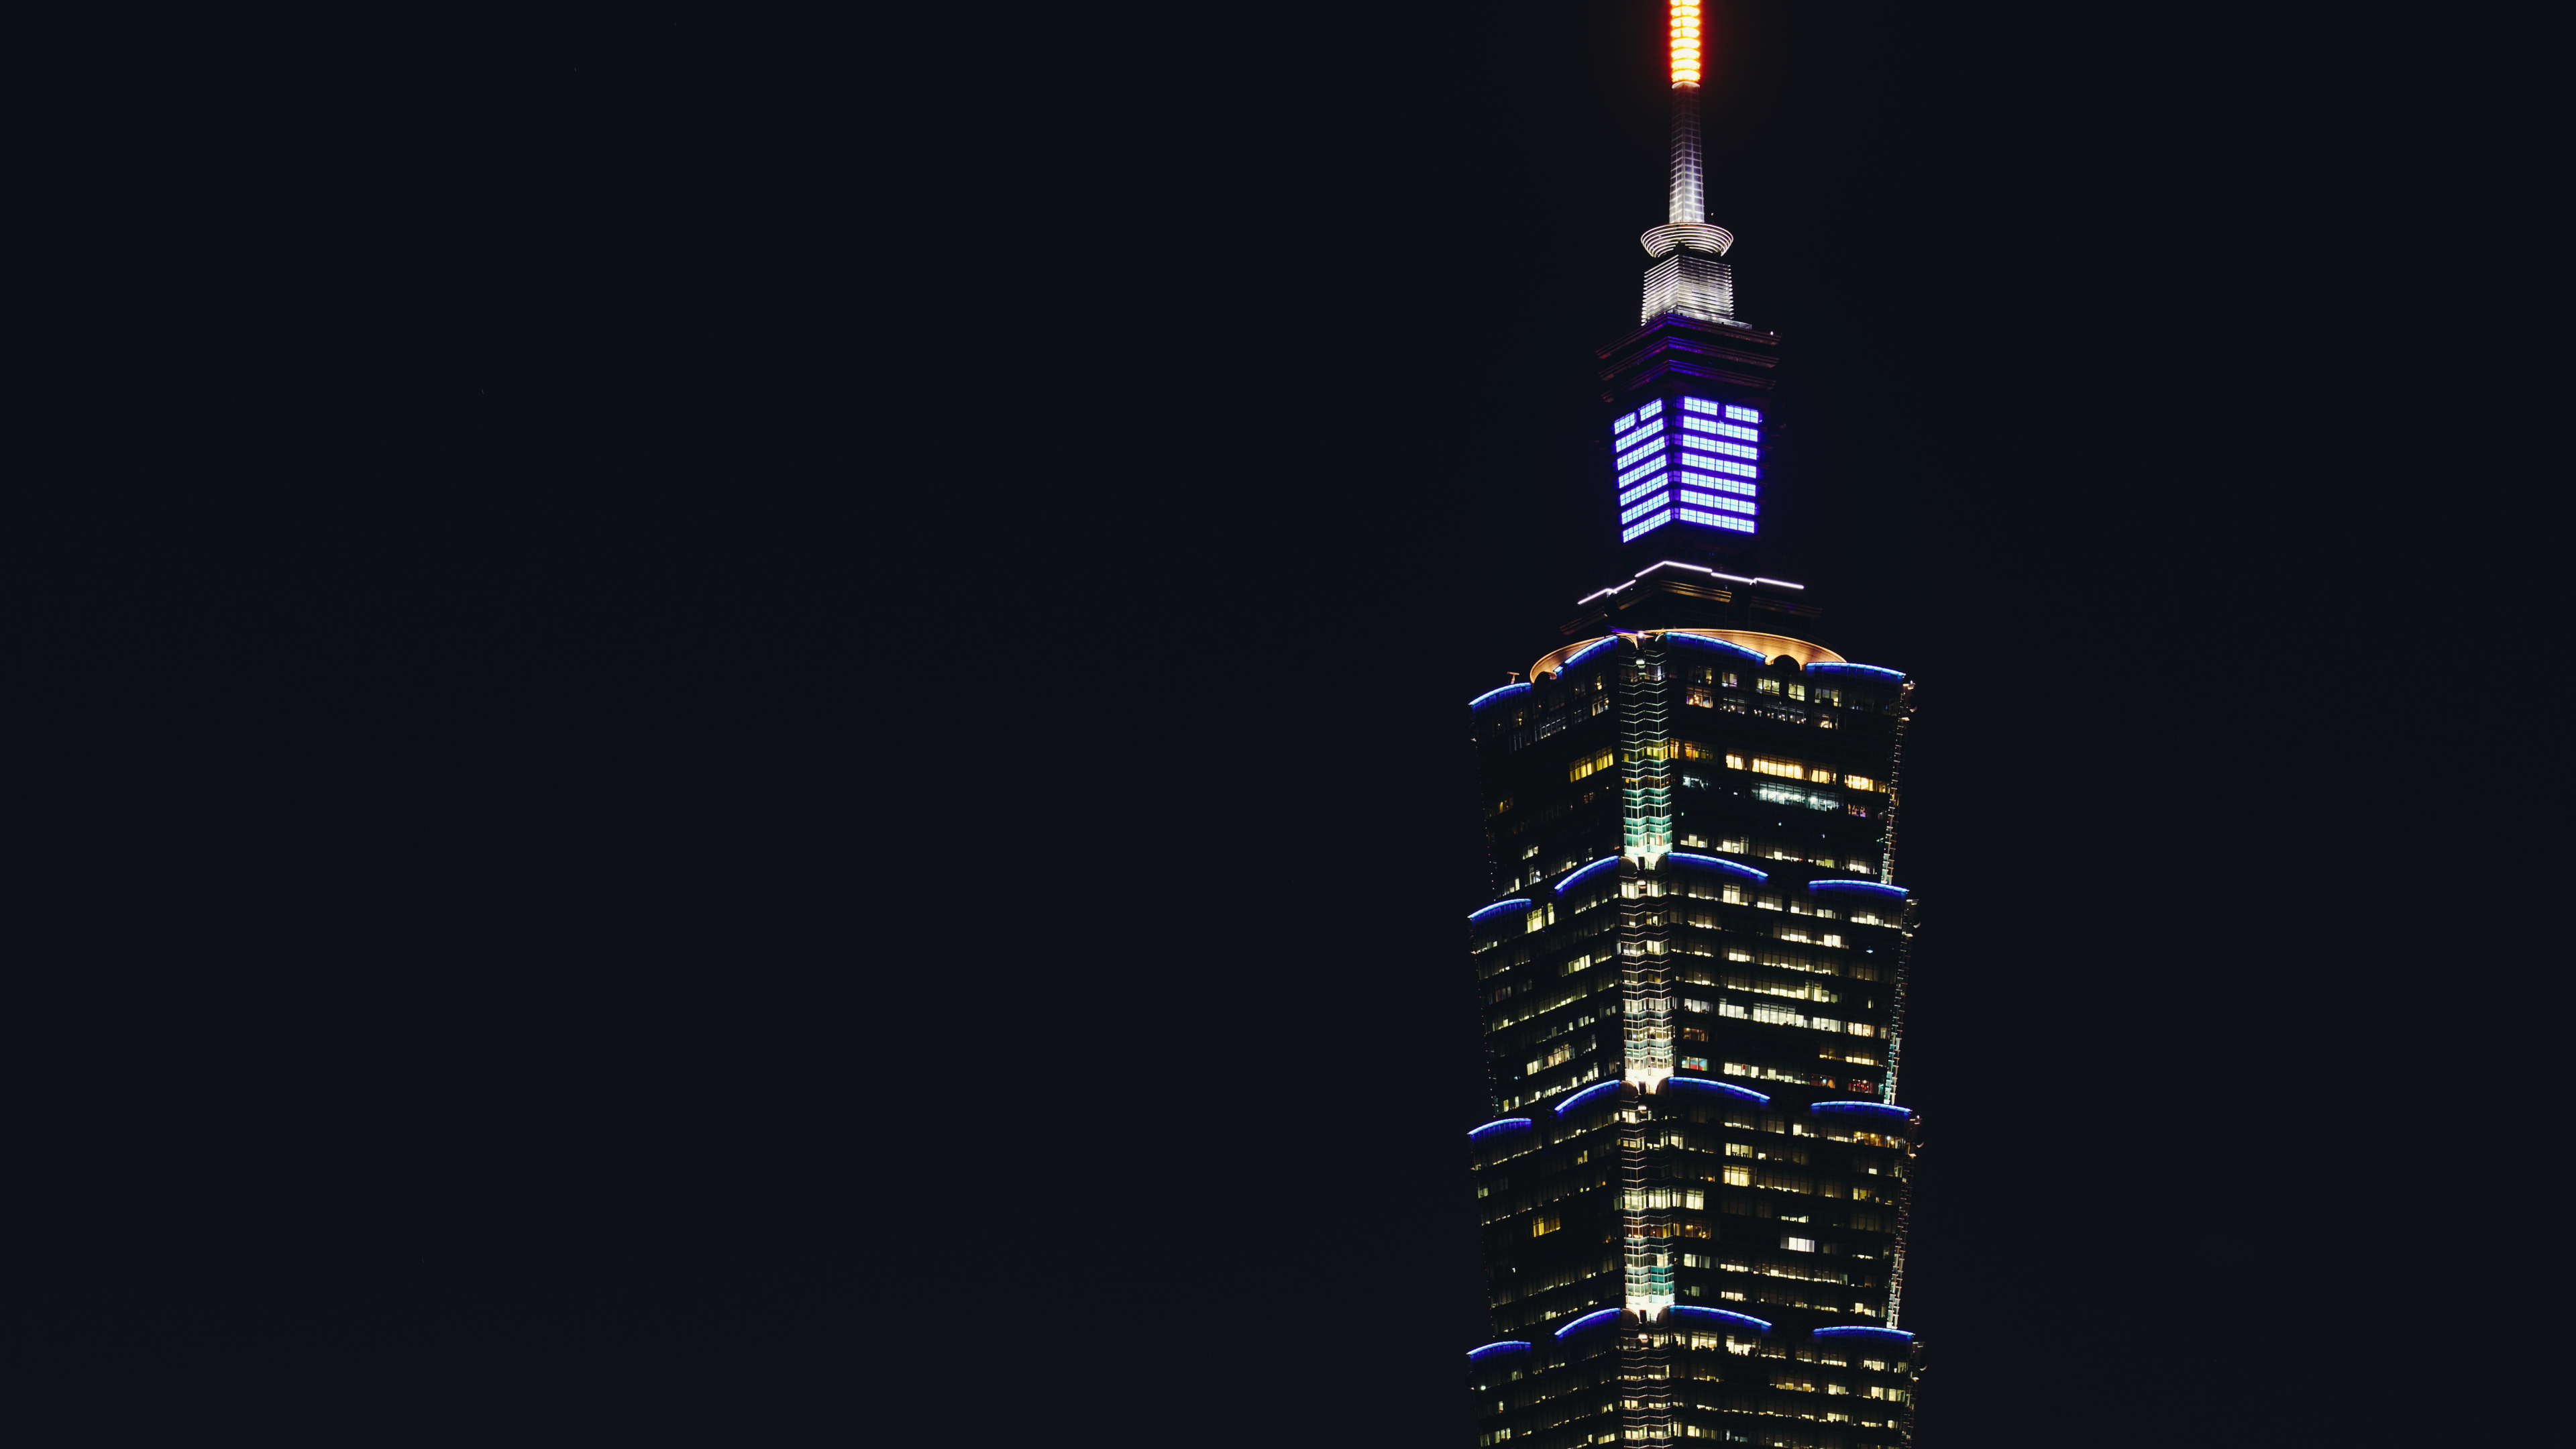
(1692, 1178)
(1692, 460)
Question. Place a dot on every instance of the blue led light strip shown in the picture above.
(1587, 1321)
(1747, 1319)
(1715, 520)
(1858, 1330)
(1508, 1345)
(1870, 886)
(1567, 884)
(1497, 906)
(1479, 701)
(1865, 1109)
(1838, 667)
(1500, 1122)
(1732, 1090)
(1596, 1089)
(1586, 651)
(1649, 526)
(1704, 642)
(1733, 867)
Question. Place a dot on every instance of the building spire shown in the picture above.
(1690, 278)
(1689, 205)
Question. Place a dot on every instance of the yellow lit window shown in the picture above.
(1735, 762)
(1797, 691)
(1766, 686)
(1818, 775)
(1860, 782)
(1739, 1177)
(1785, 769)
(1541, 1227)
(1593, 765)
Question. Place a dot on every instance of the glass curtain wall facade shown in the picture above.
(1692, 1181)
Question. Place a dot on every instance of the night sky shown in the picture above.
(761, 737)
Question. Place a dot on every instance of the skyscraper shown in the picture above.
(1692, 975)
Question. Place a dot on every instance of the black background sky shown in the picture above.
(759, 735)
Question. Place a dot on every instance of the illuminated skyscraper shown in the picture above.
(1692, 978)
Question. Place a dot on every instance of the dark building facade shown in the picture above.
(1691, 978)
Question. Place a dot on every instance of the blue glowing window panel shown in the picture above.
(1865, 1109)
(1722, 505)
(1869, 887)
(1624, 424)
(1650, 525)
(1713, 445)
(1642, 489)
(1704, 642)
(1603, 863)
(1495, 1350)
(1595, 1090)
(1655, 465)
(1855, 1330)
(1651, 453)
(1505, 1124)
(1741, 1094)
(1736, 486)
(1716, 520)
(1653, 409)
(1842, 668)
(1724, 430)
(1722, 1315)
(1702, 405)
(1724, 465)
(1489, 696)
(1630, 515)
(1742, 414)
(1588, 650)
(1589, 1320)
(1510, 905)
(1711, 861)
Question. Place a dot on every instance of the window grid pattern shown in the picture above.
(1717, 448)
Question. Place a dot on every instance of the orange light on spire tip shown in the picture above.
(1685, 42)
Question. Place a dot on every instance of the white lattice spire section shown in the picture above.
(1689, 204)
(1692, 278)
